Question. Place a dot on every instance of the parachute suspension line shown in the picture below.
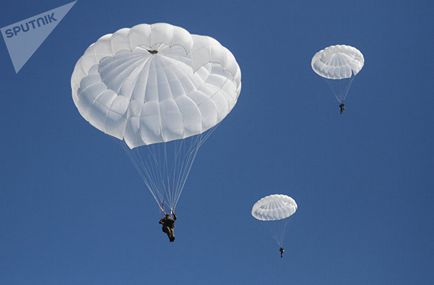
(205, 136)
(187, 164)
(180, 167)
(199, 140)
(164, 167)
(191, 155)
(174, 172)
(151, 173)
(282, 233)
(152, 164)
(161, 167)
(278, 231)
(340, 87)
(177, 163)
(169, 157)
(275, 227)
(166, 182)
(347, 88)
(138, 164)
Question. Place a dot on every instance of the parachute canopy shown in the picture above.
(155, 83)
(337, 62)
(274, 207)
(161, 90)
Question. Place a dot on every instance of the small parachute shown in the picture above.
(161, 91)
(338, 65)
(275, 210)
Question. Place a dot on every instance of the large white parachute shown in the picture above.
(161, 90)
(338, 64)
(155, 83)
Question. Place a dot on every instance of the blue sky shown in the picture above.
(74, 211)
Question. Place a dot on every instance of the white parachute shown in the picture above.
(162, 91)
(338, 64)
(276, 208)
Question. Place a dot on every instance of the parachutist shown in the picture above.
(168, 226)
(130, 63)
(275, 208)
(341, 107)
(339, 65)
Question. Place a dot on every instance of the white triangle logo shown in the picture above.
(23, 38)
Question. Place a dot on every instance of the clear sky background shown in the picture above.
(73, 210)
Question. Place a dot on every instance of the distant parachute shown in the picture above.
(275, 209)
(162, 91)
(338, 64)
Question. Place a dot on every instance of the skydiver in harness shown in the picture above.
(282, 251)
(341, 107)
(168, 225)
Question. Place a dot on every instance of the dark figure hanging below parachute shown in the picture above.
(168, 226)
(341, 108)
(282, 251)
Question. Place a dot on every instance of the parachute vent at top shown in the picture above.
(155, 83)
(337, 62)
(274, 207)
